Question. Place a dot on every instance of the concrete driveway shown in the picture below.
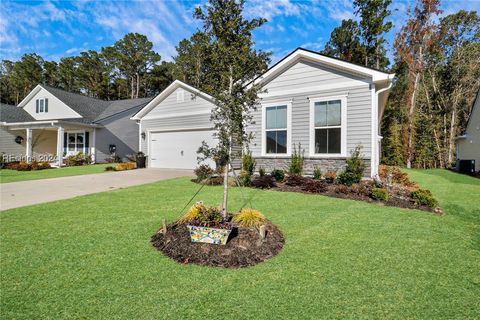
(25, 193)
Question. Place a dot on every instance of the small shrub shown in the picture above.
(248, 218)
(110, 168)
(264, 182)
(261, 172)
(218, 181)
(394, 175)
(192, 213)
(296, 161)
(203, 171)
(341, 188)
(44, 165)
(424, 197)
(379, 194)
(248, 163)
(330, 176)
(125, 166)
(314, 186)
(360, 189)
(245, 178)
(201, 215)
(295, 181)
(78, 159)
(347, 178)
(23, 166)
(278, 174)
(317, 173)
(113, 158)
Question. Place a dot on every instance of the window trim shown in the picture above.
(343, 126)
(45, 105)
(287, 103)
(76, 151)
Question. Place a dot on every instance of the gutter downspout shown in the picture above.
(377, 124)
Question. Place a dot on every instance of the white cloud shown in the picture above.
(272, 8)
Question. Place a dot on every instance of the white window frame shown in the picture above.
(76, 149)
(39, 101)
(287, 103)
(343, 126)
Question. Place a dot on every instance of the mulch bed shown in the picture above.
(244, 247)
(395, 200)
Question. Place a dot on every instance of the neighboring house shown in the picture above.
(50, 124)
(327, 105)
(468, 144)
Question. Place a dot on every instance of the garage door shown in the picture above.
(177, 150)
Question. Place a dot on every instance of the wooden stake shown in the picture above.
(261, 231)
(164, 226)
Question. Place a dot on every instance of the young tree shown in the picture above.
(373, 27)
(413, 41)
(135, 57)
(345, 43)
(236, 63)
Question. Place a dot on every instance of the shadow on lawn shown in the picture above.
(470, 217)
(454, 177)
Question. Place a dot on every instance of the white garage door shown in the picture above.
(177, 150)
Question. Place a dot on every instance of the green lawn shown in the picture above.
(14, 175)
(90, 258)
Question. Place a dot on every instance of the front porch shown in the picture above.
(54, 141)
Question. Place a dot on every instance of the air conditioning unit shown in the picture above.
(466, 166)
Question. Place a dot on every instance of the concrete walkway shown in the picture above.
(25, 193)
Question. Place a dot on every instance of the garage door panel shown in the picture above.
(177, 150)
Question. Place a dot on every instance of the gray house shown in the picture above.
(468, 144)
(50, 124)
(327, 105)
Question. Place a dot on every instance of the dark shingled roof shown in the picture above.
(9, 113)
(118, 106)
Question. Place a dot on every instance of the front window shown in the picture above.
(276, 129)
(76, 142)
(327, 126)
(42, 105)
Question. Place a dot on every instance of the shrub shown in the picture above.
(296, 161)
(248, 218)
(110, 168)
(347, 178)
(264, 182)
(353, 173)
(78, 159)
(125, 166)
(341, 188)
(261, 172)
(330, 176)
(314, 186)
(278, 174)
(245, 178)
(317, 173)
(295, 181)
(248, 163)
(199, 214)
(424, 197)
(203, 171)
(113, 158)
(394, 175)
(379, 194)
(192, 213)
(360, 189)
(23, 166)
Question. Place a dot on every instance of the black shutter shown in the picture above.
(46, 104)
(37, 105)
(65, 142)
(87, 140)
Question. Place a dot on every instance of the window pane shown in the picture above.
(41, 105)
(71, 147)
(334, 140)
(80, 138)
(320, 114)
(270, 114)
(71, 138)
(281, 117)
(271, 142)
(333, 113)
(321, 140)
(282, 141)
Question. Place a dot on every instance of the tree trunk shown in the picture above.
(451, 139)
(410, 128)
(225, 177)
(132, 87)
(138, 84)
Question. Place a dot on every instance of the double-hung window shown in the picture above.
(41, 105)
(76, 142)
(276, 132)
(328, 119)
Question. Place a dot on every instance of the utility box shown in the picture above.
(466, 166)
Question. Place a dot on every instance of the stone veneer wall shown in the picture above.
(268, 164)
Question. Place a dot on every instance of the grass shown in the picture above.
(14, 175)
(90, 258)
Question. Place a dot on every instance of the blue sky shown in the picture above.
(55, 29)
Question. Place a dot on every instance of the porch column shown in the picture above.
(93, 150)
(60, 143)
(28, 144)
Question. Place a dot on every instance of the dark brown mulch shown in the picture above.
(244, 247)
